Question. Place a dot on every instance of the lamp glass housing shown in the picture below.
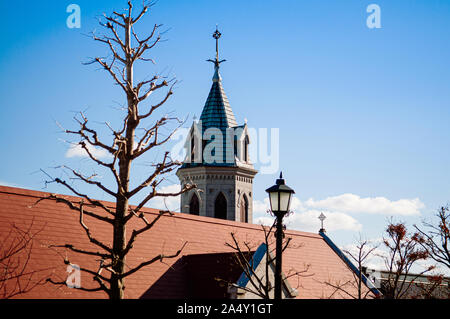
(280, 196)
(285, 201)
(280, 201)
(273, 197)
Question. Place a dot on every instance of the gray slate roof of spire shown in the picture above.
(217, 112)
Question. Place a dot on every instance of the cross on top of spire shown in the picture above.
(217, 35)
(322, 217)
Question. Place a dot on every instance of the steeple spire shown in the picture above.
(217, 112)
(221, 163)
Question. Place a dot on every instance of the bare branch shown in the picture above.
(93, 140)
(160, 257)
(148, 226)
(144, 10)
(153, 87)
(63, 283)
(88, 233)
(69, 204)
(156, 142)
(15, 254)
(156, 106)
(82, 251)
(154, 193)
(89, 180)
(112, 73)
(107, 41)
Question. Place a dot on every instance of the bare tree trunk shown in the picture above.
(129, 143)
(117, 284)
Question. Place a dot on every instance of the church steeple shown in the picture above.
(217, 159)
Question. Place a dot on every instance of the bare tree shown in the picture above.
(16, 275)
(260, 283)
(436, 238)
(404, 251)
(355, 288)
(130, 142)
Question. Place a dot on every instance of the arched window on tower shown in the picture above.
(244, 209)
(220, 207)
(194, 205)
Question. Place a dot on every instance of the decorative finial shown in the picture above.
(322, 217)
(281, 181)
(217, 35)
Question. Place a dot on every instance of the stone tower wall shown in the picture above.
(211, 182)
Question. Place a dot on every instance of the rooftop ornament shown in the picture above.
(322, 217)
(216, 35)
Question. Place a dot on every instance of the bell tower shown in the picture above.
(217, 159)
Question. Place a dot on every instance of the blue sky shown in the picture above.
(362, 113)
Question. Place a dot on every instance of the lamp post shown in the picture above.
(280, 199)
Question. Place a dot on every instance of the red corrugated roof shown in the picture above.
(59, 225)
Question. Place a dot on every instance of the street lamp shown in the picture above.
(280, 200)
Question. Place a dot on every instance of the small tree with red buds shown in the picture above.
(404, 251)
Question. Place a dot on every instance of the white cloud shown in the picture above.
(351, 203)
(76, 150)
(338, 210)
(261, 207)
(264, 220)
(304, 219)
(375, 259)
(308, 221)
(7, 184)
